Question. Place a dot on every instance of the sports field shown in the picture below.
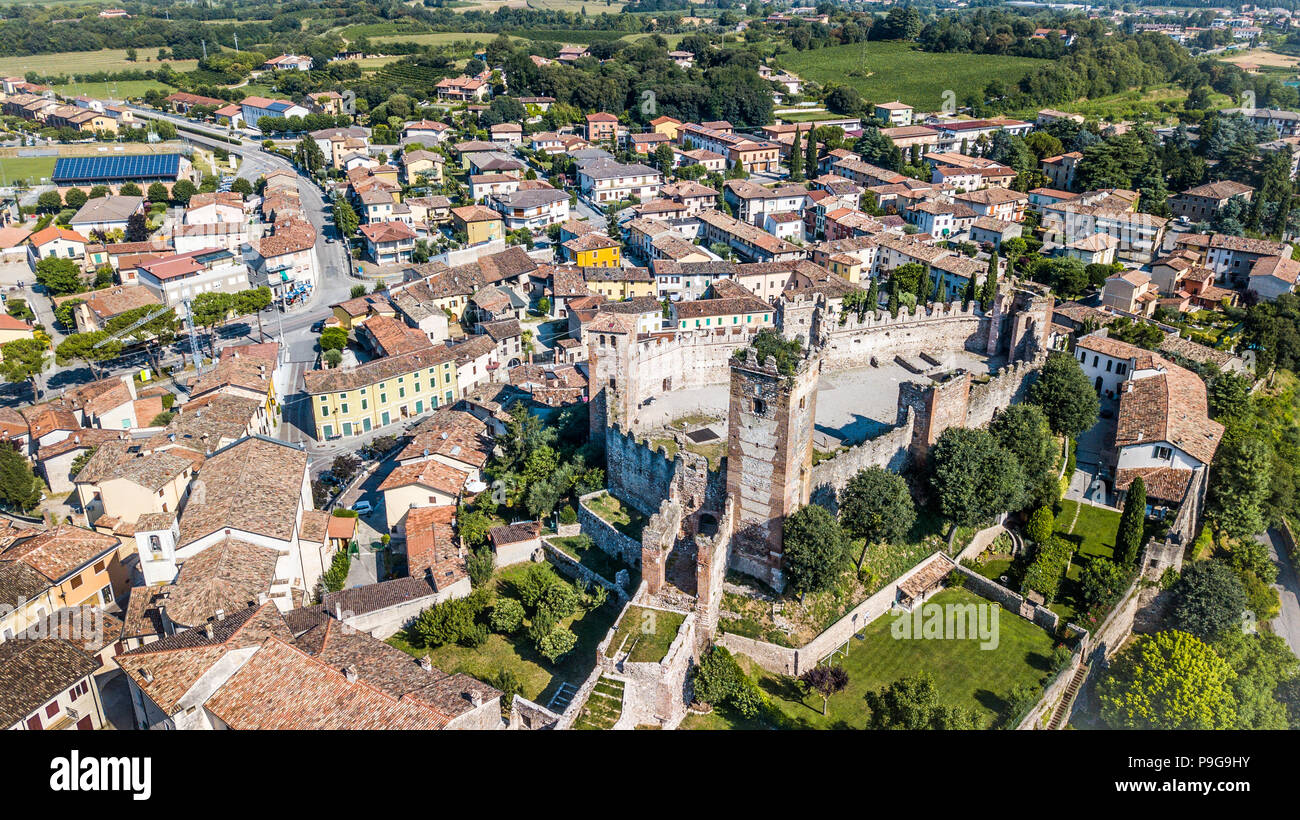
(883, 71)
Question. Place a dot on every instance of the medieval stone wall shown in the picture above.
(888, 450)
(1008, 386)
(935, 329)
(605, 536)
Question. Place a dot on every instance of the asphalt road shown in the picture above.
(1287, 623)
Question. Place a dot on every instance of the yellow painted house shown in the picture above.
(594, 250)
(618, 284)
(352, 401)
(479, 224)
(11, 330)
(667, 126)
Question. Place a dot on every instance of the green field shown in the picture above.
(434, 38)
(964, 674)
(1092, 531)
(883, 71)
(87, 62)
(29, 169)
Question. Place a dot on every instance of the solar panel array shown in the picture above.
(120, 168)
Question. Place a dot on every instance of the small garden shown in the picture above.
(583, 550)
(645, 634)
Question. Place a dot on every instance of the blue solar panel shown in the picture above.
(112, 169)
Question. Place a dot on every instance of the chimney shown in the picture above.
(221, 614)
(425, 663)
(350, 673)
(261, 598)
(207, 630)
(476, 698)
(147, 675)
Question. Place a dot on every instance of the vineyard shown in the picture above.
(412, 74)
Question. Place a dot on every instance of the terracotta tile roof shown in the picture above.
(142, 618)
(314, 526)
(454, 434)
(1116, 349)
(1223, 189)
(60, 552)
(254, 485)
(1168, 407)
(33, 672)
(433, 474)
(1162, 483)
(432, 550)
(20, 583)
(89, 628)
(84, 439)
(373, 597)
(375, 371)
(48, 417)
(515, 533)
(227, 577)
(136, 462)
(394, 337)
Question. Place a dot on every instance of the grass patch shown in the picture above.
(1093, 535)
(586, 553)
(121, 90)
(603, 708)
(964, 674)
(538, 677)
(648, 632)
(888, 70)
(622, 517)
(25, 169)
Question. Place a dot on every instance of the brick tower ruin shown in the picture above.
(769, 457)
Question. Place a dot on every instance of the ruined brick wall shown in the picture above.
(1009, 600)
(603, 534)
(643, 476)
(711, 555)
(657, 540)
(769, 457)
(937, 405)
(937, 329)
(888, 450)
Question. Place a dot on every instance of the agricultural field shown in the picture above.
(883, 71)
(122, 90)
(1157, 103)
(1262, 57)
(434, 38)
(87, 62)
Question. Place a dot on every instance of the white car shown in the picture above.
(363, 507)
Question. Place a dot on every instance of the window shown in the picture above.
(155, 543)
(760, 406)
(99, 567)
(345, 409)
(1164, 453)
(76, 581)
(51, 709)
(106, 595)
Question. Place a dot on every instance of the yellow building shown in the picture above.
(847, 266)
(478, 223)
(82, 567)
(666, 126)
(594, 250)
(355, 311)
(618, 284)
(11, 330)
(352, 401)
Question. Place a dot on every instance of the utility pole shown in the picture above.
(236, 42)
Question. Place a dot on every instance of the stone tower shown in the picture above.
(938, 404)
(609, 357)
(769, 457)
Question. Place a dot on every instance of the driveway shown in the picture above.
(116, 698)
(1287, 623)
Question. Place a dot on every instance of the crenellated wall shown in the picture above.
(936, 329)
(643, 475)
(1006, 387)
(888, 450)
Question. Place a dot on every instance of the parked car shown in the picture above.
(363, 507)
(318, 326)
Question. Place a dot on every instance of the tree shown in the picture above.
(826, 681)
(973, 476)
(59, 276)
(333, 338)
(1208, 600)
(810, 155)
(254, 301)
(1063, 391)
(796, 158)
(1101, 580)
(990, 289)
(1228, 396)
(1132, 524)
(19, 486)
(472, 525)
(90, 348)
(1239, 485)
(309, 156)
(182, 190)
(137, 226)
(50, 202)
(912, 702)
(128, 189)
(556, 643)
(332, 358)
(1023, 430)
(507, 616)
(877, 506)
(814, 549)
(157, 192)
(242, 187)
(24, 360)
(1168, 680)
(1041, 525)
(357, 291)
(720, 681)
(66, 313)
(345, 218)
(211, 308)
(344, 467)
(75, 198)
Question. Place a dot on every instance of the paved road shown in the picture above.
(1287, 623)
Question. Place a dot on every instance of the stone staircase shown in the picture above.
(1067, 700)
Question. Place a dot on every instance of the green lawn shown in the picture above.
(624, 518)
(1093, 535)
(964, 674)
(887, 70)
(122, 90)
(649, 632)
(31, 169)
(538, 676)
(586, 553)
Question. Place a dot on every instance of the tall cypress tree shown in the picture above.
(1128, 538)
(968, 295)
(873, 296)
(990, 282)
(796, 159)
